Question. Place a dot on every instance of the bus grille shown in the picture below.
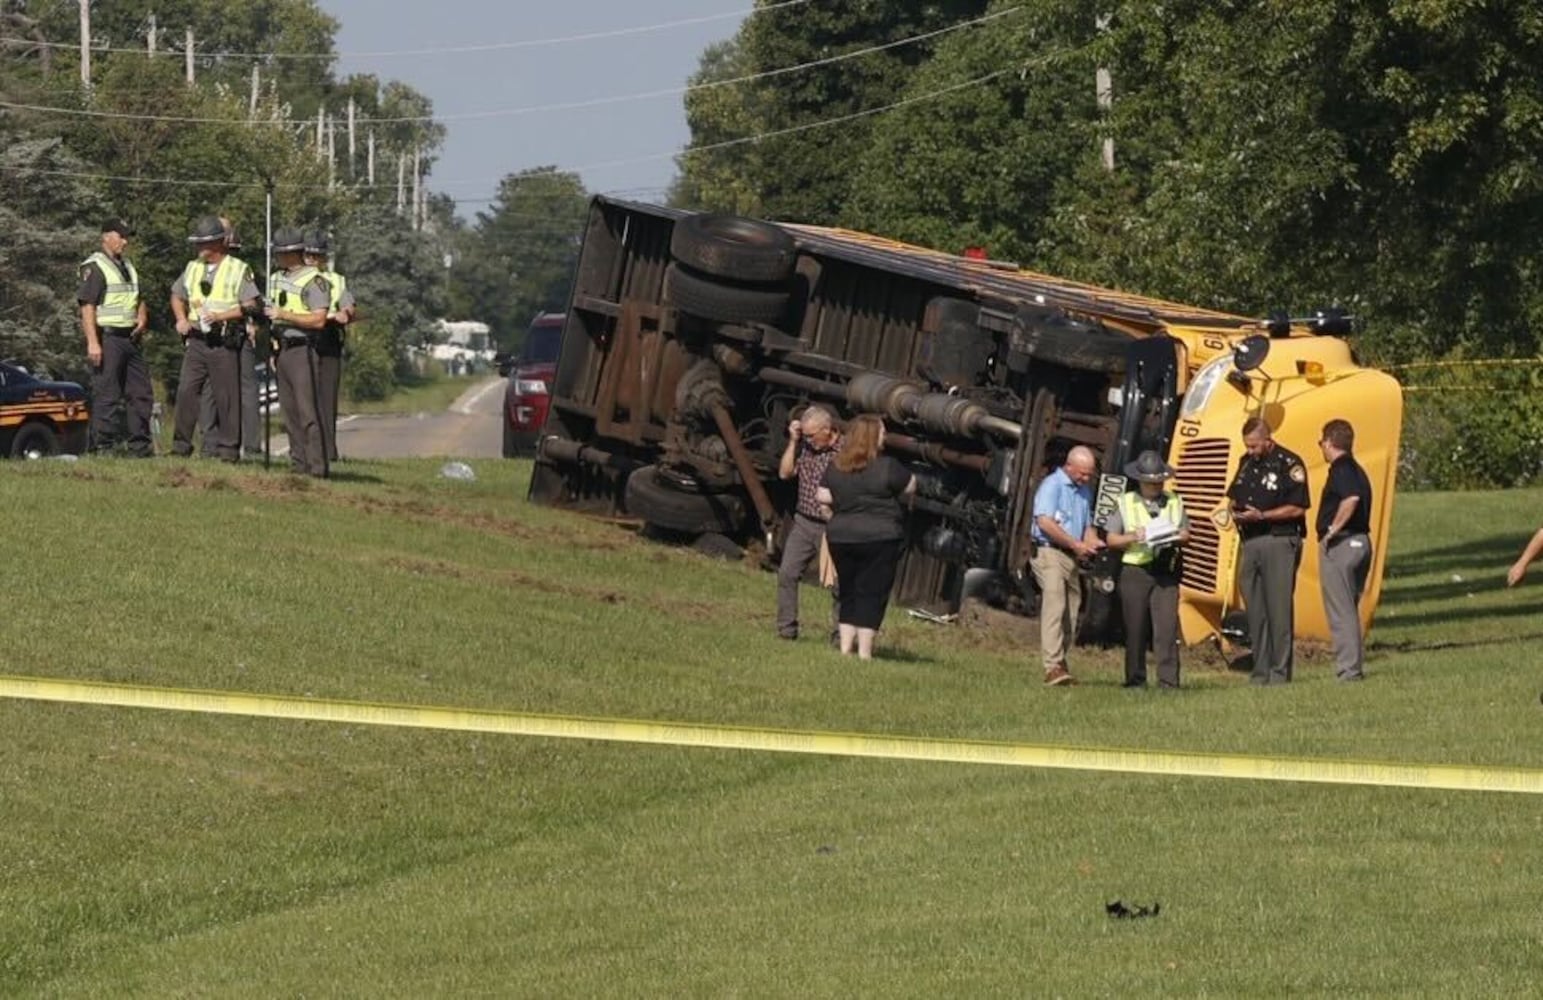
(1202, 482)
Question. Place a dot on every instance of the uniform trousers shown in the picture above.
(215, 368)
(329, 353)
(251, 414)
(1149, 602)
(1268, 577)
(121, 383)
(801, 548)
(1342, 571)
(1060, 602)
(297, 375)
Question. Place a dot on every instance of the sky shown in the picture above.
(479, 152)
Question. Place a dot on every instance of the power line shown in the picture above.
(526, 43)
(647, 158)
(536, 108)
(797, 128)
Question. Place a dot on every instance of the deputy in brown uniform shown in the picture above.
(1269, 506)
(298, 298)
(246, 361)
(329, 344)
(211, 299)
(114, 318)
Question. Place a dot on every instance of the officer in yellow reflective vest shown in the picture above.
(329, 345)
(211, 299)
(1151, 526)
(246, 365)
(114, 318)
(298, 299)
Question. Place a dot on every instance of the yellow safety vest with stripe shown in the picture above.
(336, 284)
(224, 288)
(1133, 510)
(286, 289)
(120, 303)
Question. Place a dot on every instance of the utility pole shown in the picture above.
(256, 86)
(370, 146)
(188, 49)
(85, 44)
(417, 188)
(401, 178)
(332, 152)
(352, 172)
(1103, 87)
(321, 131)
(150, 38)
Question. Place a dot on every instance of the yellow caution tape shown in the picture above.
(1208, 765)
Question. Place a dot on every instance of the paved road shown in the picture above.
(469, 429)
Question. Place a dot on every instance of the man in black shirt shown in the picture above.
(1345, 551)
(1269, 506)
(114, 317)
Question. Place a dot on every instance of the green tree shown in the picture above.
(718, 180)
(1381, 155)
(982, 165)
(395, 273)
(519, 257)
(50, 223)
(807, 175)
(226, 35)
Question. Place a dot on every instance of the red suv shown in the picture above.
(528, 392)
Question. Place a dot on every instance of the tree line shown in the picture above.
(142, 144)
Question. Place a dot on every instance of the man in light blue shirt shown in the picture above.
(1063, 534)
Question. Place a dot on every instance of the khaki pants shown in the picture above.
(1060, 601)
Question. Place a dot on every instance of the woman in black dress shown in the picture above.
(865, 491)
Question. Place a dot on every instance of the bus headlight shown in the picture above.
(1203, 385)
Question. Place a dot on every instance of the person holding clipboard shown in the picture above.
(1150, 525)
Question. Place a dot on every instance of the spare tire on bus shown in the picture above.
(732, 247)
(661, 502)
(722, 303)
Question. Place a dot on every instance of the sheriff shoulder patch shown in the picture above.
(1298, 474)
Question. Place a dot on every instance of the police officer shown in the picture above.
(329, 345)
(114, 318)
(298, 299)
(1149, 570)
(251, 427)
(1269, 506)
(211, 299)
(1345, 546)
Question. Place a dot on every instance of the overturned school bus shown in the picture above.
(691, 340)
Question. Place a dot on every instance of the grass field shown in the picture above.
(428, 394)
(160, 854)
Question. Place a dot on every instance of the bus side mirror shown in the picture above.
(1250, 352)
